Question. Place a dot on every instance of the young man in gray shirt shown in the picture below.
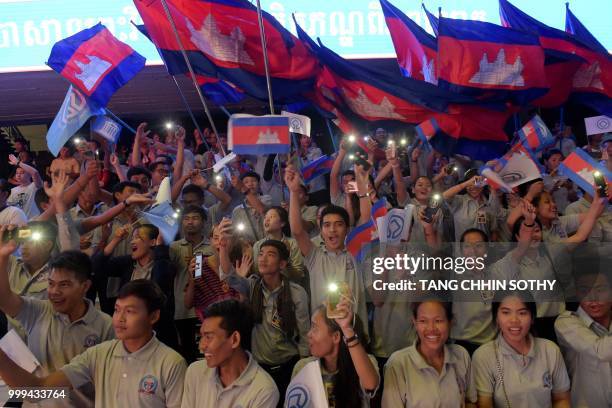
(136, 370)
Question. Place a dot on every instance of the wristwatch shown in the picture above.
(363, 195)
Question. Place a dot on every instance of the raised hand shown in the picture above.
(140, 199)
(7, 247)
(60, 181)
(13, 161)
(243, 267)
(292, 179)
(140, 131)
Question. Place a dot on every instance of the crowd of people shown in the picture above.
(233, 308)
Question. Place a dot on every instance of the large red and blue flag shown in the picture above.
(415, 48)
(222, 40)
(490, 62)
(535, 135)
(95, 62)
(316, 168)
(360, 238)
(592, 82)
(580, 167)
(258, 135)
(574, 26)
(433, 20)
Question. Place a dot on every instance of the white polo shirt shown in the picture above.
(254, 388)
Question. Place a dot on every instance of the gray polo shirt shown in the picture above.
(325, 267)
(470, 213)
(239, 215)
(602, 231)
(561, 228)
(529, 380)
(587, 348)
(25, 284)
(411, 382)
(54, 340)
(181, 252)
(150, 377)
(270, 345)
(254, 388)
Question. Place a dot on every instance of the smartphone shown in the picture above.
(20, 234)
(198, 266)
(432, 208)
(334, 294)
(362, 162)
(451, 168)
(600, 183)
(351, 187)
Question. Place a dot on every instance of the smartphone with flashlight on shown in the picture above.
(432, 208)
(600, 183)
(198, 266)
(335, 291)
(21, 235)
(451, 169)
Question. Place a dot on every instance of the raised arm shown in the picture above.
(114, 161)
(457, 188)
(334, 183)
(90, 223)
(10, 302)
(28, 169)
(586, 226)
(400, 186)
(16, 377)
(140, 134)
(365, 204)
(292, 180)
(180, 153)
(219, 194)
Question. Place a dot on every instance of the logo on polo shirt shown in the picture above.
(148, 384)
(91, 340)
(298, 397)
(547, 380)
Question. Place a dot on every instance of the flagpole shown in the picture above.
(262, 35)
(125, 125)
(192, 74)
(225, 110)
(193, 119)
(331, 135)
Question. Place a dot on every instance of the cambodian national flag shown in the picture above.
(579, 167)
(222, 40)
(219, 91)
(416, 49)
(490, 62)
(473, 131)
(575, 27)
(433, 20)
(535, 136)
(379, 209)
(258, 135)
(319, 167)
(95, 62)
(360, 238)
(592, 81)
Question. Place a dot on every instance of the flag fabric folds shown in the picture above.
(433, 20)
(259, 134)
(575, 27)
(316, 168)
(164, 217)
(95, 62)
(535, 136)
(416, 49)
(360, 238)
(72, 115)
(379, 209)
(490, 62)
(107, 128)
(221, 39)
(306, 388)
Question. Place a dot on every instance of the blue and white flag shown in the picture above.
(306, 390)
(107, 128)
(166, 218)
(72, 115)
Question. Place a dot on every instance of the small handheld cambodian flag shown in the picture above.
(579, 167)
(535, 136)
(379, 209)
(319, 167)
(164, 217)
(359, 239)
(95, 62)
(258, 134)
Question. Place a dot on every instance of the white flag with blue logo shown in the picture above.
(306, 390)
(73, 114)
(298, 123)
(164, 217)
(107, 128)
(394, 227)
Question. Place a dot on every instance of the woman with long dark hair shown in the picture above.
(430, 373)
(349, 374)
(518, 369)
